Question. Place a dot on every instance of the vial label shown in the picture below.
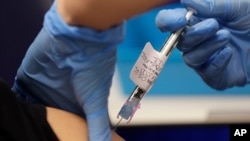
(147, 67)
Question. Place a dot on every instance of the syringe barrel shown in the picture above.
(133, 102)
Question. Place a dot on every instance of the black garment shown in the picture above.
(21, 121)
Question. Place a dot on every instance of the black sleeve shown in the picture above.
(21, 121)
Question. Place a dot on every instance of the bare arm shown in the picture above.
(70, 127)
(103, 14)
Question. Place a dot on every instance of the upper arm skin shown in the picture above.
(70, 127)
(103, 14)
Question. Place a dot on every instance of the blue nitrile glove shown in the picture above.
(71, 68)
(217, 44)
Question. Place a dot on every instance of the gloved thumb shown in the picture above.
(171, 20)
(213, 8)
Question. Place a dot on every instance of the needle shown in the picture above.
(115, 127)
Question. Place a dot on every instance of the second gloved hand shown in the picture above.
(217, 42)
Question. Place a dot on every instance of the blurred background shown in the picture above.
(179, 107)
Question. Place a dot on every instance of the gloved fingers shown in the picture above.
(194, 20)
(171, 19)
(218, 8)
(98, 125)
(212, 72)
(197, 33)
(201, 54)
(203, 8)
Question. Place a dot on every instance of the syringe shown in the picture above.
(133, 102)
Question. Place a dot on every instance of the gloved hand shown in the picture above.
(71, 68)
(217, 42)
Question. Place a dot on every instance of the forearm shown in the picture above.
(103, 14)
